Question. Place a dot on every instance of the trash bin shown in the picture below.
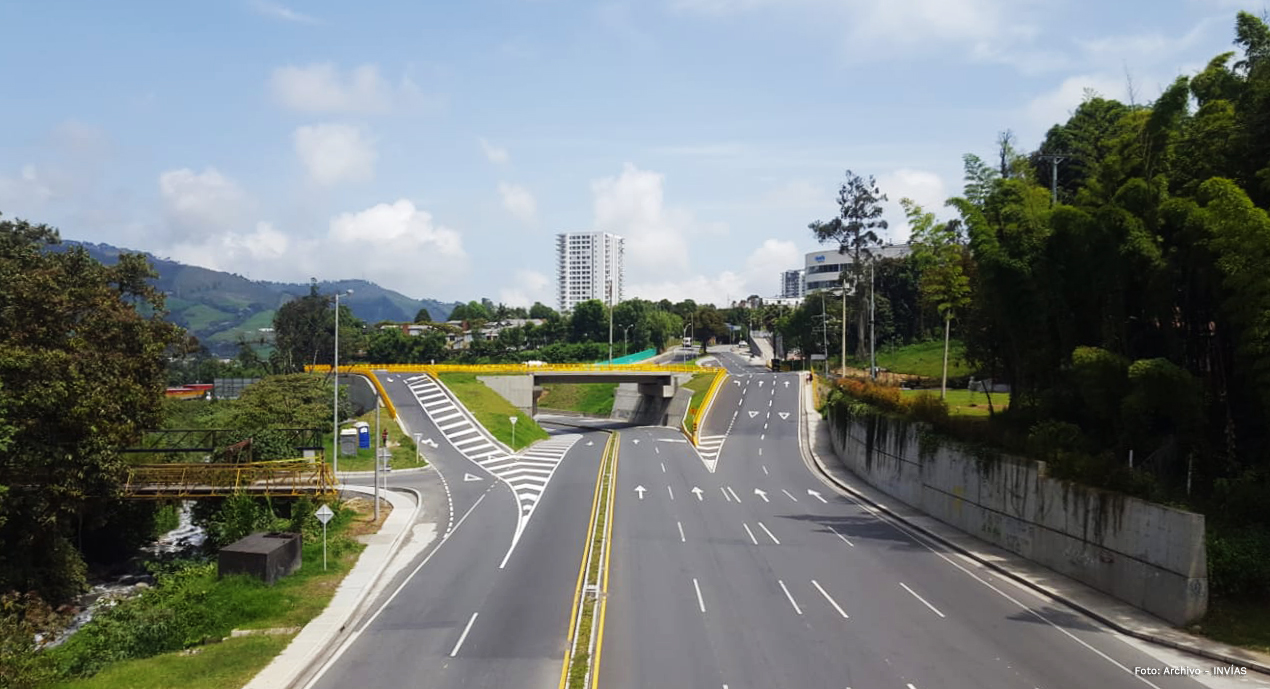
(348, 441)
(363, 434)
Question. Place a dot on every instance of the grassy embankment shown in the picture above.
(215, 606)
(923, 359)
(965, 402)
(592, 399)
(493, 411)
(402, 445)
(699, 384)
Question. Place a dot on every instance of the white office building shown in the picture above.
(792, 284)
(588, 266)
(824, 268)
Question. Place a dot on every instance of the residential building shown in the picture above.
(824, 268)
(793, 284)
(588, 266)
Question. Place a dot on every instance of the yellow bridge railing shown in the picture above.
(292, 477)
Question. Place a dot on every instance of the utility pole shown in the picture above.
(844, 328)
(610, 291)
(873, 313)
(824, 332)
(335, 402)
(1055, 159)
(377, 456)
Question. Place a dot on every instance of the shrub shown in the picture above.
(22, 617)
(1239, 563)
(930, 408)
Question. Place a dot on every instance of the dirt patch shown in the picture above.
(884, 377)
(364, 522)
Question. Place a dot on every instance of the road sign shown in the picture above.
(513, 420)
(324, 515)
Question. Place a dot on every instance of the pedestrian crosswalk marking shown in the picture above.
(527, 473)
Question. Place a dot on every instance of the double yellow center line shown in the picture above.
(593, 580)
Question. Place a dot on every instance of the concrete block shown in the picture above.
(268, 556)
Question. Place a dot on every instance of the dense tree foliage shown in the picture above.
(82, 373)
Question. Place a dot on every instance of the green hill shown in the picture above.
(221, 308)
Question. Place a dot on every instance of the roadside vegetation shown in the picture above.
(699, 384)
(1125, 307)
(921, 359)
(493, 411)
(402, 446)
(591, 399)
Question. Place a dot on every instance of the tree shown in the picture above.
(855, 232)
(590, 322)
(709, 324)
(940, 254)
(423, 316)
(82, 368)
(541, 310)
(304, 331)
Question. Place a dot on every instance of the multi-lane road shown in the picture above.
(732, 566)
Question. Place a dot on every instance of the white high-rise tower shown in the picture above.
(588, 266)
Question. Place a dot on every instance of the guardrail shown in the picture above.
(506, 368)
(291, 477)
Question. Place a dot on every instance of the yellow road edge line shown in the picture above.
(608, 552)
(577, 593)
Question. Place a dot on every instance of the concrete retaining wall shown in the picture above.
(1145, 554)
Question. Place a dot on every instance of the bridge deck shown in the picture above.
(202, 480)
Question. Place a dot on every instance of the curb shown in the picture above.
(333, 630)
(823, 472)
(390, 472)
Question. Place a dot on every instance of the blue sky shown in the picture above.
(436, 147)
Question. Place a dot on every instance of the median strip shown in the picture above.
(586, 637)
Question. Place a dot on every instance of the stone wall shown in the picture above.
(1145, 554)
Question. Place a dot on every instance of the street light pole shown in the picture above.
(844, 329)
(625, 330)
(824, 332)
(376, 456)
(335, 401)
(873, 313)
(610, 291)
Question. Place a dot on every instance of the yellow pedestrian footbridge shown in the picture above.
(286, 478)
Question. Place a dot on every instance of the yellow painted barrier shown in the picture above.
(719, 377)
(291, 477)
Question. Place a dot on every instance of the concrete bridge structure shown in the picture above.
(647, 400)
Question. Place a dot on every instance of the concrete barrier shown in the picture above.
(1148, 555)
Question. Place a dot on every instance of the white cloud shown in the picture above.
(797, 194)
(396, 245)
(321, 87)
(519, 202)
(25, 192)
(494, 153)
(276, 11)
(334, 153)
(760, 276)
(633, 205)
(201, 203)
(926, 188)
(529, 286)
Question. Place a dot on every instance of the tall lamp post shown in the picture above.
(624, 331)
(610, 295)
(335, 402)
(683, 336)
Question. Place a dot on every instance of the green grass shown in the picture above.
(699, 385)
(965, 402)
(227, 665)
(241, 602)
(593, 399)
(402, 446)
(201, 316)
(248, 328)
(925, 359)
(493, 411)
(1238, 623)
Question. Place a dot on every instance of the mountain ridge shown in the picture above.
(222, 308)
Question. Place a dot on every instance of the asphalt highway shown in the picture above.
(760, 575)
(455, 618)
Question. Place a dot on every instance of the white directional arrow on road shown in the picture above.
(760, 383)
(816, 494)
(640, 490)
(589, 443)
(636, 441)
(787, 383)
(697, 491)
(469, 477)
(753, 414)
(784, 415)
(761, 494)
(388, 378)
(737, 382)
(430, 442)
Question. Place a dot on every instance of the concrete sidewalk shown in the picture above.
(1116, 614)
(311, 645)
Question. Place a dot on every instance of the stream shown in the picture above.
(106, 593)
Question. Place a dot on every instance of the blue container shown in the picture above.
(363, 434)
